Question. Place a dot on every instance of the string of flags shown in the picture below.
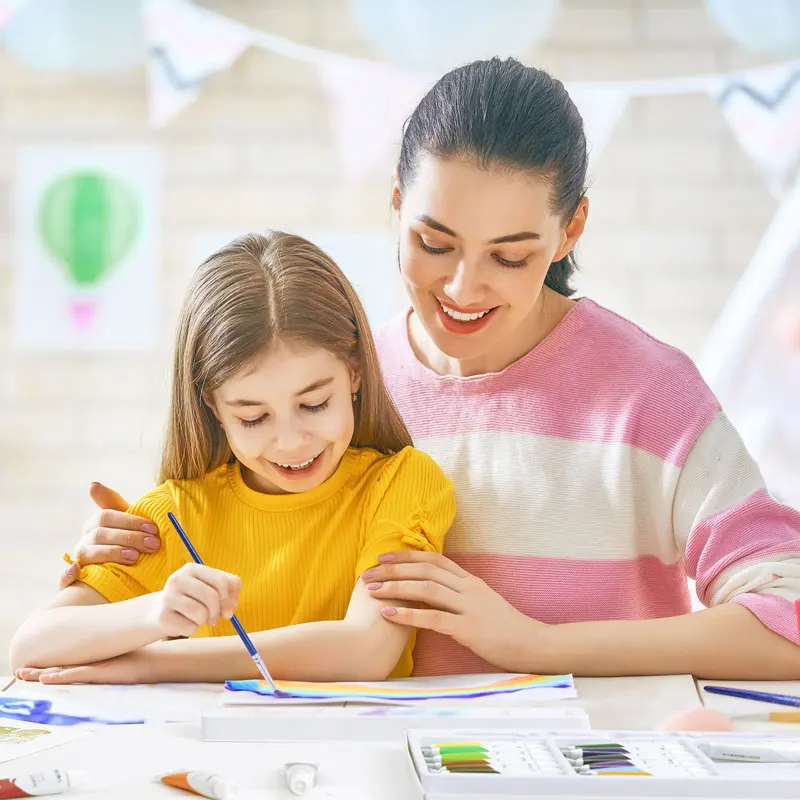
(186, 45)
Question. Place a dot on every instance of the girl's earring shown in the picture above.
(354, 396)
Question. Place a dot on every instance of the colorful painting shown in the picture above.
(396, 692)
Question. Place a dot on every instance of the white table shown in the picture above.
(123, 760)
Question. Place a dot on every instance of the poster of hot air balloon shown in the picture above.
(86, 257)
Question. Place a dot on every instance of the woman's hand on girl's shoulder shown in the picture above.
(111, 535)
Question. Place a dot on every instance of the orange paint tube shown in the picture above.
(204, 784)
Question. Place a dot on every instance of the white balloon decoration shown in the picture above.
(760, 26)
(441, 34)
(80, 35)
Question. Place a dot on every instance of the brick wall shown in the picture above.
(677, 210)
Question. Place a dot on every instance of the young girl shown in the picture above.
(289, 469)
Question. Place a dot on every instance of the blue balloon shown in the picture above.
(760, 26)
(442, 34)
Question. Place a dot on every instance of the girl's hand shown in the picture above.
(111, 535)
(457, 604)
(195, 595)
(137, 666)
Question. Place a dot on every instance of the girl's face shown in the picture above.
(475, 247)
(289, 417)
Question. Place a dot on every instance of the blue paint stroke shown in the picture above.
(22, 709)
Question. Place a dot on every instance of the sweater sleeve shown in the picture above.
(149, 574)
(739, 543)
(415, 509)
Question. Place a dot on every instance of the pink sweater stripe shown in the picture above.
(677, 494)
(612, 385)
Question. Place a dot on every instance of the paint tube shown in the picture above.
(754, 752)
(39, 784)
(300, 776)
(204, 784)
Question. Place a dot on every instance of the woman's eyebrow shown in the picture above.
(511, 237)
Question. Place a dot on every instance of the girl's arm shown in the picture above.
(361, 647)
(80, 625)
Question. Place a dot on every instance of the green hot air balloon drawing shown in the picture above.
(89, 221)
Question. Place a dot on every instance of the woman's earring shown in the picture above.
(354, 396)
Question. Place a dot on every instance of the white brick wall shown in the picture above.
(676, 213)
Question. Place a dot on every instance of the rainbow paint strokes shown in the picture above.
(536, 687)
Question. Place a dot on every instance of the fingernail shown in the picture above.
(389, 612)
(374, 585)
(368, 575)
(386, 557)
(148, 528)
(130, 555)
(151, 543)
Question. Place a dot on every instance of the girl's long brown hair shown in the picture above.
(249, 295)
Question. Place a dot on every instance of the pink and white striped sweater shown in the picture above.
(593, 476)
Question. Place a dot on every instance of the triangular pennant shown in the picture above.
(762, 106)
(8, 8)
(601, 107)
(186, 45)
(369, 103)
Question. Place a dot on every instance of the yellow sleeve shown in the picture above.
(415, 509)
(149, 574)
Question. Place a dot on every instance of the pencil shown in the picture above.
(248, 643)
(771, 716)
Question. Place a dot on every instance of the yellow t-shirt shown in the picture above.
(298, 555)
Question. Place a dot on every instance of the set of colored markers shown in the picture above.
(499, 757)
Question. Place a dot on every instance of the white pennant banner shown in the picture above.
(186, 45)
(601, 109)
(8, 8)
(368, 105)
(762, 106)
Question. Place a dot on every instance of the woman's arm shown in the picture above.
(80, 625)
(361, 647)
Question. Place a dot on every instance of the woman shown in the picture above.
(594, 469)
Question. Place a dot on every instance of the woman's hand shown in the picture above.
(195, 595)
(111, 535)
(457, 604)
(138, 666)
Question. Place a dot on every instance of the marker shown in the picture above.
(251, 648)
(749, 694)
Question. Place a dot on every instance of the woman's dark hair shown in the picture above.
(504, 115)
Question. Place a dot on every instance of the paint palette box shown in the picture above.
(325, 722)
(478, 764)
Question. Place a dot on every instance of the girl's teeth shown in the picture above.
(457, 315)
(297, 466)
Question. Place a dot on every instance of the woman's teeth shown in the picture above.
(457, 315)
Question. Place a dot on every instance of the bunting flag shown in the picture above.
(8, 8)
(186, 45)
(368, 107)
(762, 106)
(601, 109)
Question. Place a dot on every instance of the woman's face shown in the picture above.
(475, 247)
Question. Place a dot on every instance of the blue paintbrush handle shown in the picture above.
(749, 694)
(246, 640)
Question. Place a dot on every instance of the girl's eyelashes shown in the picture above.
(253, 423)
(317, 408)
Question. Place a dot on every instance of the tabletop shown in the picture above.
(124, 760)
